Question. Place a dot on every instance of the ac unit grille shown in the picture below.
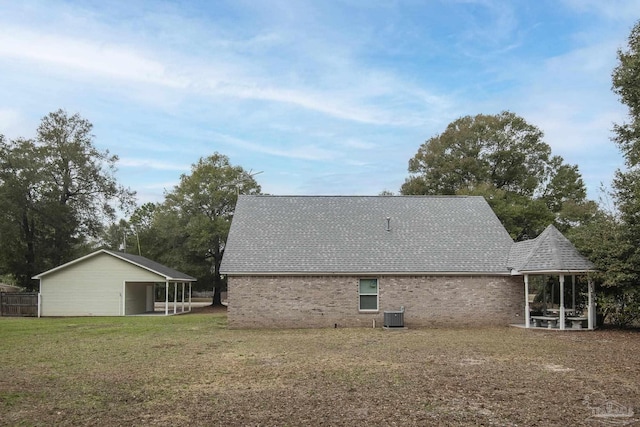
(394, 319)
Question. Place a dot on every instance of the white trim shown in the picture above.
(534, 272)
(369, 310)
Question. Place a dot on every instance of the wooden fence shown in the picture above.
(18, 303)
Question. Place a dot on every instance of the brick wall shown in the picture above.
(326, 301)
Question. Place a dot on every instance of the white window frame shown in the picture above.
(377, 294)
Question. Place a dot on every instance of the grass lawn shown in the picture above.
(192, 370)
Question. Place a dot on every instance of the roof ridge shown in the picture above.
(537, 242)
(553, 236)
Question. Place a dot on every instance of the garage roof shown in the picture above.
(168, 273)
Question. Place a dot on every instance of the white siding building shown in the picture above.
(108, 283)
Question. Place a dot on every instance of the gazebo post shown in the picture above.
(544, 297)
(166, 298)
(175, 297)
(527, 313)
(573, 293)
(561, 301)
(590, 311)
(183, 297)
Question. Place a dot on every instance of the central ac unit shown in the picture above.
(394, 319)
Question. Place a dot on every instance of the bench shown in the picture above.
(576, 322)
(551, 321)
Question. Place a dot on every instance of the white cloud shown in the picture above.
(366, 100)
(303, 152)
(619, 10)
(152, 164)
(92, 57)
(13, 124)
(358, 144)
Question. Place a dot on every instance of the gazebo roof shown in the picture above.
(550, 252)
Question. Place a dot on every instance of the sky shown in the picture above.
(328, 97)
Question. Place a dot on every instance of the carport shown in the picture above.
(109, 283)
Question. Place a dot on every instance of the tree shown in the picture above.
(626, 184)
(625, 79)
(23, 218)
(136, 235)
(194, 220)
(615, 249)
(505, 159)
(59, 189)
(605, 241)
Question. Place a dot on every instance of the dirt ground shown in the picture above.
(192, 370)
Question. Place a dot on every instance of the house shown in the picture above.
(9, 288)
(333, 261)
(108, 283)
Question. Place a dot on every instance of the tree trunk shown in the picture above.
(217, 295)
(30, 255)
(217, 280)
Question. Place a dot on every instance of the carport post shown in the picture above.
(189, 296)
(124, 298)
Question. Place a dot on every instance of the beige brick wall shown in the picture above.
(321, 302)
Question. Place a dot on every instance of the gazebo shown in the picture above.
(552, 254)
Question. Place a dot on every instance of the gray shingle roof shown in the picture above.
(348, 234)
(167, 272)
(549, 252)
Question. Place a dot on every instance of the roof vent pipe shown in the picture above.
(388, 223)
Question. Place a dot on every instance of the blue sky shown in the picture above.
(323, 97)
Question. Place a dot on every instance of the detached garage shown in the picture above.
(108, 283)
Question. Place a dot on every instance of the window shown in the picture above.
(368, 294)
